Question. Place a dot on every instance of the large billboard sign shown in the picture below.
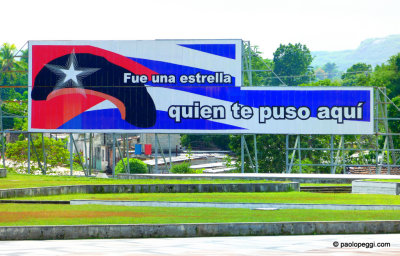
(176, 86)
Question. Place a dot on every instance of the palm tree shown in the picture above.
(7, 61)
(8, 65)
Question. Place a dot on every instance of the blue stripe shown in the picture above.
(223, 50)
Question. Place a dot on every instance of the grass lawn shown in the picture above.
(28, 214)
(270, 197)
(29, 181)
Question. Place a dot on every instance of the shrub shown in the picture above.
(135, 165)
(182, 168)
(56, 153)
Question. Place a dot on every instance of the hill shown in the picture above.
(374, 51)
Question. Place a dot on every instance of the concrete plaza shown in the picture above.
(262, 245)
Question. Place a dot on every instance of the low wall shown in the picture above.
(3, 172)
(197, 230)
(301, 178)
(375, 187)
(150, 188)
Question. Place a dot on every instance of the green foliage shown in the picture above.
(13, 71)
(182, 168)
(18, 109)
(357, 75)
(205, 141)
(56, 153)
(304, 168)
(331, 70)
(388, 75)
(135, 165)
(257, 63)
(270, 152)
(394, 125)
(292, 60)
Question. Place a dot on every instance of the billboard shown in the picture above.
(176, 86)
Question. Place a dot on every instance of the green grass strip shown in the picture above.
(270, 197)
(29, 181)
(27, 214)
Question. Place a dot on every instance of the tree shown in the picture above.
(292, 63)
(320, 74)
(270, 152)
(257, 62)
(12, 71)
(331, 70)
(357, 75)
(388, 75)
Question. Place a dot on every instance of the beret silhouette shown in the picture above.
(95, 75)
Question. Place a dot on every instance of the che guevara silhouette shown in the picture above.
(95, 75)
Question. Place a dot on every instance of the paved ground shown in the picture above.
(266, 245)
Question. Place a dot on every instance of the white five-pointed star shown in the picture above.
(71, 73)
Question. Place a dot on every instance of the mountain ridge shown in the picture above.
(373, 51)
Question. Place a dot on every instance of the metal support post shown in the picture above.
(299, 146)
(90, 153)
(337, 155)
(29, 153)
(255, 152)
(79, 155)
(169, 151)
(3, 145)
(113, 156)
(293, 154)
(37, 156)
(127, 153)
(44, 156)
(287, 154)
(377, 99)
(162, 153)
(242, 152)
(248, 154)
(86, 156)
(71, 159)
(378, 171)
(121, 157)
(331, 151)
(343, 155)
(155, 154)
(250, 69)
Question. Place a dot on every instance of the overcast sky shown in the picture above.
(321, 25)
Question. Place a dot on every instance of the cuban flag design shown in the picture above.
(80, 85)
(176, 86)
